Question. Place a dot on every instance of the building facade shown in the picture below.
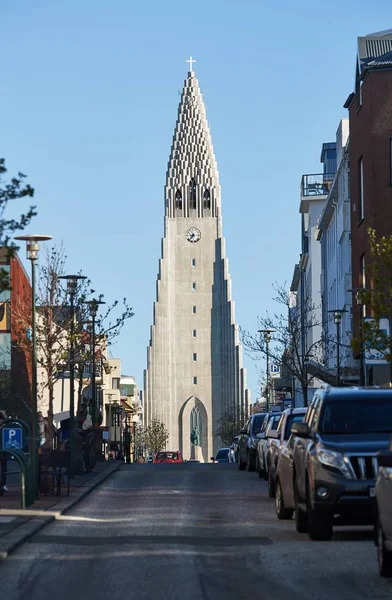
(15, 357)
(194, 360)
(370, 155)
(334, 234)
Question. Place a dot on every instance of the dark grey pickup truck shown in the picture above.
(335, 458)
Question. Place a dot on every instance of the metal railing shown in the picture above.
(316, 184)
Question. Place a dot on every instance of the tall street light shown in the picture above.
(32, 250)
(337, 318)
(93, 307)
(360, 304)
(267, 338)
(72, 286)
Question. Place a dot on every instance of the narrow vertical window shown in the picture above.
(195, 356)
(361, 191)
(178, 201)
(194, 285)
(207, 200)
(195, 380)
(362, 274)
(192, 194)
(193, 262)
(194, 310)
(194, 333)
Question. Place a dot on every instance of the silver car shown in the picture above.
(278, 439)
(284, 489)
(269, 426)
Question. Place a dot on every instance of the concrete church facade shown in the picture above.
(194, 369)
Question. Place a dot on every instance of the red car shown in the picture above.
(165, 456)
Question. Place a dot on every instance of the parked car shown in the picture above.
(247, 443)
(335, 458)
(150, 459)
(277, 440)
(269, 425)
(383, 521)
(166, 456)
(233, 449)
(222, 456)
(284, 478)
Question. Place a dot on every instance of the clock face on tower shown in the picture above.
(193, 235)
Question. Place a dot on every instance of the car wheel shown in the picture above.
(271, 485)
(241, 464)
(319, 525)
(250, 465)
(281, 511)
(301, 520)
(384, 555)
(257, 465)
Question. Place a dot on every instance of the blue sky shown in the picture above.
(88, 99)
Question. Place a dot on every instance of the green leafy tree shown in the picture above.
(229, 426)
(14, 189)
(377, 296)
(155, 436)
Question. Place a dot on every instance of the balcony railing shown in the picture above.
(316, 184)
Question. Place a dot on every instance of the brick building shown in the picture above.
(370, 118)
(15, 361)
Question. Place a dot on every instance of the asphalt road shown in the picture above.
(187, 532)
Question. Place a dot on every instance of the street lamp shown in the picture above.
(72, 286)
(360, 304)
(337, 318)
(267, 338)
(93, 306)
(32, 250)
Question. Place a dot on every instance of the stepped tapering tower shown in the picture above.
(194, 369)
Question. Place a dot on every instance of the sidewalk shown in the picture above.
(17, 525)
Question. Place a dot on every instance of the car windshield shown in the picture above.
(289, 423)
(170, 455)
(222, 453)
(372, 416)
(257, 421)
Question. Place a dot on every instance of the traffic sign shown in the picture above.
(12, 438)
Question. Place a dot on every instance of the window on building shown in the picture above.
(195, 380)
(207, 200)
(362, 274)
(193, 262)
(361, 190)
(115, 419)
(194, 310)
(178, 201)
(115, 383)
(194, 285)
(195, 356)
(192, 194)
(194, 333)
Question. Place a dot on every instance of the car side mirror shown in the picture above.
(300, 430)
(384, 459)
(260, 435)
(243, 431)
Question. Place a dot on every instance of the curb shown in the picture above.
(11, 541)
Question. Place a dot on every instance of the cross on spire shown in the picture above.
(191, 61)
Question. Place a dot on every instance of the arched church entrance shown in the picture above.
(193, 428)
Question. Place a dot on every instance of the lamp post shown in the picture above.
(337, 318)
(93, 305)
(267, 338)
(357, 292)
(72, 286)
(32, 249)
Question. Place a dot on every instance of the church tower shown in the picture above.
(194, 369)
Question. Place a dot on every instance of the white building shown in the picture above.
(333, 232)
(194, 360)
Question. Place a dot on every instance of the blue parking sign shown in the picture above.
(12, 438)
